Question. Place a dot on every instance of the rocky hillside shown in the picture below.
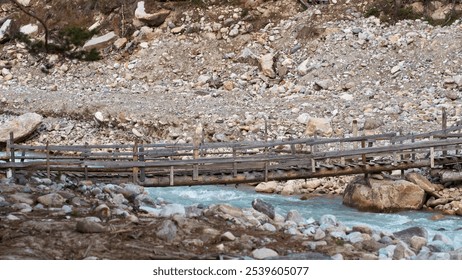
(167, 66)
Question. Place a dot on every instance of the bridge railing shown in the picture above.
(140, 159)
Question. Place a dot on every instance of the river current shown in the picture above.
(451, 226)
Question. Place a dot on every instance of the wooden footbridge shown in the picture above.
(199, 163)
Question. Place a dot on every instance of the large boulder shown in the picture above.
(319, 126)
(266, 64)
(100, 41)
(423, 183)
(383, 195)
(5, 27)
(266, 187)
(151, 19)
(21, 127)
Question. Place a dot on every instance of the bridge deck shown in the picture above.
(238, 162)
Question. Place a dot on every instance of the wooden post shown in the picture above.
(9, 145)
(355, 133)
(143, 170)
(266, 171)
(313, 150)
(12, 155)
(395, 161)
(85, 158)
(172, 176)
(234, 163)
(432, 155)
(196, 146)
(413, 150)
(135, 159)
(402, 152)
(444, 126)
(342, 159)
(363, 156)
(48, 161)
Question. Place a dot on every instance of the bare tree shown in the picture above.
(31, 14)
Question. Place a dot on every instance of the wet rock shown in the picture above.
(131, 190)
(328, 219)
(269, 227)
(167, 231)
(402, 251)
(264, 253)
(440, 256)
(51, 200)
(417, 242)
(295, 216)
(407, 234)
(263, 207)
(172, 209)
(21, 127)
(386, 253)
(440, 246)
(319, 234)
(266, 187)
(383, 195)
(355, 237)
(86, 226)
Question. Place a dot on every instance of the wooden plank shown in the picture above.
(135, 159)
(48, 162)
(141, 158)
(12, 155)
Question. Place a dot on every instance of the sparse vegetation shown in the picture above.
(392, 11)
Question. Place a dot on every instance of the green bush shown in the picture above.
(67, 43)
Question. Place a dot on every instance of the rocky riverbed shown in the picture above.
(67, 220)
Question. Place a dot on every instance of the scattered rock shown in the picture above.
(264, 253)
(51, 200)
(21, 127)
(167, 231)
(101, 41)
(266, 64)
(263, 207)
(172, 209)
(407, 234)
(319, 126)
(266, 187)
(86, 226)
(154, 19)
(29, 29)
(227, 236)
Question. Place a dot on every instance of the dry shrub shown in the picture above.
(309, 32)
